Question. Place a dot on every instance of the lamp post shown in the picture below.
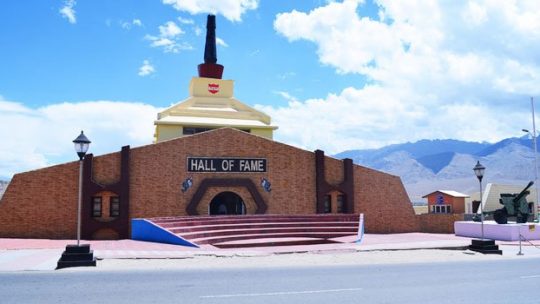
(78, 255)
(483, 246)
(533, 136)
(81, 147)
(479, 171)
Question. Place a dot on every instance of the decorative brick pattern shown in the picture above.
(345, 185)
(249, 202)
(91, 226)
(245, 183)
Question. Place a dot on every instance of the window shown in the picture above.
(114, 206)
(340, 203)
(194, 130)
(327, 204)
(441, 209)
(96, 206)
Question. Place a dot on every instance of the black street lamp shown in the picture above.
(78, 255)
(479, 171)
(82, 143)
(483, 246)
(81, 147)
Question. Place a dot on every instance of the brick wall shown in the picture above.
(384, 202)
(42, 203)
(438, 223)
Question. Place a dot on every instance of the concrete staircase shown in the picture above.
(259, 230)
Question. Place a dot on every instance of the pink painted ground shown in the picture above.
(370, 241)
(101, 245)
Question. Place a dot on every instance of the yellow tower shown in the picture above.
(211, 103)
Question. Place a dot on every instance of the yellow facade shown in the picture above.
(211, 105)
(166, 132)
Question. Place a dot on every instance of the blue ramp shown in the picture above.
(145, 230)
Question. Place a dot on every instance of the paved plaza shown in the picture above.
(41, 254)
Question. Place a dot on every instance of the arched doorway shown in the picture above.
(227, 203)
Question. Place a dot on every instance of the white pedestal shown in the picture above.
(500, 232)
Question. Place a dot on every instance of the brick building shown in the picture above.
(152, 181)
(446, 201)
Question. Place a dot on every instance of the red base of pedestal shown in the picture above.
(210, 70)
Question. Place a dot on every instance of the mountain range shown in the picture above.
(3, 186)
(429, 165)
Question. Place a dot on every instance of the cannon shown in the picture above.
(515, 205)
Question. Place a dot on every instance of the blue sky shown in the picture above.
(333, 75)
(98, 57)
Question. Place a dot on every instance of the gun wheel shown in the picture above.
(522, 218)
(501, 216)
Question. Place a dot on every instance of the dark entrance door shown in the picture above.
(227, 203)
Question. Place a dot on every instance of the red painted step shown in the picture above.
(266, 242)
(197, 220)
(260, 230)
(262, 225)
(221, 239)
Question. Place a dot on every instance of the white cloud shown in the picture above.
(169, 38)
(450, 69)
(230, 9)
(185, 20)
(146, 69)
(286, 96)
(286, 75)
(127, 25)
(221, 42)
(44, 135)
(68, 12)
(170, 30)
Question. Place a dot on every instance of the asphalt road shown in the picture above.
(501, 281)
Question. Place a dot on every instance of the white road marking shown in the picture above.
(280, 293)
(530, 277)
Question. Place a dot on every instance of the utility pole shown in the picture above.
(535, 211)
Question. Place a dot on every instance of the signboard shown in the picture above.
(213, 88)
(226, 165)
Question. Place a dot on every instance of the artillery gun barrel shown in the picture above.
(523, 192)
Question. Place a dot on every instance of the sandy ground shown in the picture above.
(308, 259)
